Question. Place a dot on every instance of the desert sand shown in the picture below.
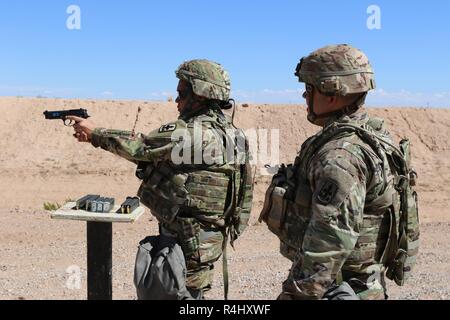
(41, 162)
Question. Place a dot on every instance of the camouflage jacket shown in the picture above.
(185, 166)
(350, 189)
(154, 147)
(161, 144)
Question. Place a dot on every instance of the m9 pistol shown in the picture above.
(62, 115)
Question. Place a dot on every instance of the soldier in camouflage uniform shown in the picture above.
(333, 218)
(195, 171)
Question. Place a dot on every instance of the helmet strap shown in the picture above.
(312, 116)
(234, 106)
(348, 110)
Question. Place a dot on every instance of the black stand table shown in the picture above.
(99, 245)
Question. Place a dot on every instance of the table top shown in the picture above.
(67, 213)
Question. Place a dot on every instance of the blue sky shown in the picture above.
(130, 49)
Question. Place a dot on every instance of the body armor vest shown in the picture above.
(287, 209)
(217, 195)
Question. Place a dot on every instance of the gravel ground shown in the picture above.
(36, 253)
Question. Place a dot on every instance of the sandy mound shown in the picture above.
(41, 161)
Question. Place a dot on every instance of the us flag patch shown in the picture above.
(168, 128)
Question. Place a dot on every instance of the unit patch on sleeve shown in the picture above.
(327, 193)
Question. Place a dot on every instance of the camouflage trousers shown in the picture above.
(200, 263)
(355, 288)
(368, 287)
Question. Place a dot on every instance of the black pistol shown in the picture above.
(62, 115)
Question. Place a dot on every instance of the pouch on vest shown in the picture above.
(275, 204)
(188, 235)
(161, 190)
(160, 270)
(286, 209)
(402, 264)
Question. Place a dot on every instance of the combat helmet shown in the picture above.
(337, 70)
(208, 79)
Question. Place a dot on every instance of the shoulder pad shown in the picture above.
(376, 123)
(351, 143)
(204, 119)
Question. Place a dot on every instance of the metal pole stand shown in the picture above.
(99, 260)
(99, 244)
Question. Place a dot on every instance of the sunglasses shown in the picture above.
(309, 88)
(183, 94)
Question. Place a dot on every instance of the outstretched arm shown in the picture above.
(135, 149)
(138, 148)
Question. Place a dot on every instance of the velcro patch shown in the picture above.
(168, 128)
(328, 192)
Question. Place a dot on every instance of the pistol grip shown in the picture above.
(68, 123)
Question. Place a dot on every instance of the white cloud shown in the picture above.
(382, 97)
(162, 94)
(27, 90)
(269, 96)
(377, 98)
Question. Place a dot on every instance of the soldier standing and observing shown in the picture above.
(200, 204)
(345, 211)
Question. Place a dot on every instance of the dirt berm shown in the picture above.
(40, 161)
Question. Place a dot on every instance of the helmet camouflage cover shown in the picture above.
(208, 79)
(337, 70)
